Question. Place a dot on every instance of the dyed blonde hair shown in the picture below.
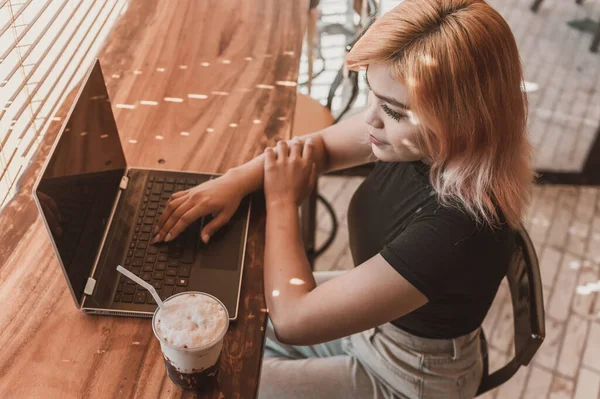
(460, 64)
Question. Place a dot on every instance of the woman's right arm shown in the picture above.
(339, 146)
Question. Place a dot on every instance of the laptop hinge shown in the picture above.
(89, 286)
(124, 183)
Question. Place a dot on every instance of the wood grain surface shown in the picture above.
(195, 85)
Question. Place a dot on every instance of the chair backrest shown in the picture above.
(525, 286)
(527, 299)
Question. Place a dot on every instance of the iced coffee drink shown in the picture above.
(191, 327)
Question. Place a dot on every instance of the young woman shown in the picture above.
(431, 229)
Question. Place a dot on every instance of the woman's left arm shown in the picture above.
(303, 313)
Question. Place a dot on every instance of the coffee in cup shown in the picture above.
(191, 327)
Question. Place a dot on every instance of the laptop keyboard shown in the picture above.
(166, 266)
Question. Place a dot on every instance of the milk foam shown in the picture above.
(191, 328)
(191, 321)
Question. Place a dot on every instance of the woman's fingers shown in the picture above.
(295, 149)
(282, 151)
(165, 233)
(165, 222)
(307, 152)
(175, 200)
(182, 223)
(178, 194)
(211, 228)
(270, 157)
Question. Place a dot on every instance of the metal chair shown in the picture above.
(595, 42)
(528, 308)
(311, 36)
(344, 73)
(310, 116)
(309, 209)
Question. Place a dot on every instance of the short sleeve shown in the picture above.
(432, 254)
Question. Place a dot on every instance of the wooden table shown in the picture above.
(227, 69)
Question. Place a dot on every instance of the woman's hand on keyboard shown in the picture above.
(220, 197)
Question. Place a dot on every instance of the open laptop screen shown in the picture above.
(81, 181)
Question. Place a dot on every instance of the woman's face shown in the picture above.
(392, 125)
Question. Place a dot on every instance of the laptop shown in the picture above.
(100, 213)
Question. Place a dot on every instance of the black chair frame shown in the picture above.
(525, 286)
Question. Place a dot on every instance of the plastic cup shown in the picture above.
(191, 367)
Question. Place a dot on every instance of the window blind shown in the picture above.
(46, 46)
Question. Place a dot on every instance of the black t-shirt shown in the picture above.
(455, 262)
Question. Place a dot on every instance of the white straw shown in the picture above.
(141, 282)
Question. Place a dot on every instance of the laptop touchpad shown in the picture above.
(225, 249)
